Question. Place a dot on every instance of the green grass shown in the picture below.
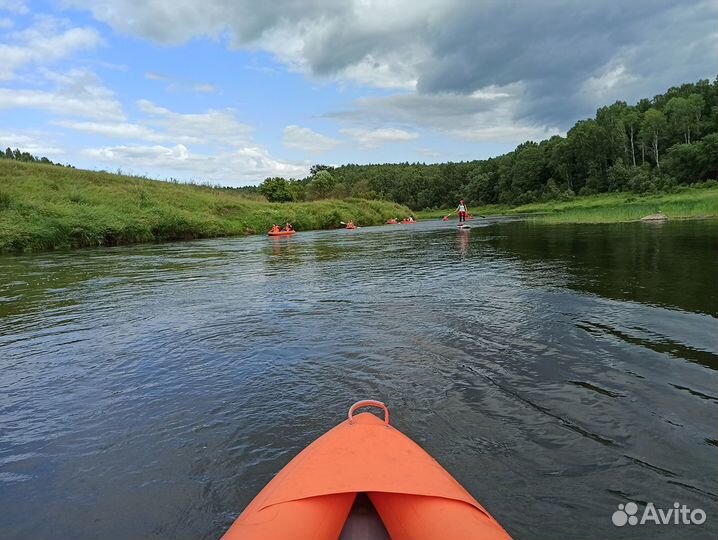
(44, 207)
(686, 203)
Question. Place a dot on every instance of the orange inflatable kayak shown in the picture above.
(391, 221)
(281, 233)
(351, 226)
(407, 222)
(365, 480)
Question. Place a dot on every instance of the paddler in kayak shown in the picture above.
(462, 211)
(288, 227)
(275, 228)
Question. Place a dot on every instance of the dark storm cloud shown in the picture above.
(555, 47)
(566, 57)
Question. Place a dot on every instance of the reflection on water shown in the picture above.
(667, 264)
(557, 371)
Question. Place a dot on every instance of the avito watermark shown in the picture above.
(679, 514)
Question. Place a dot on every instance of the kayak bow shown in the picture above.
(366, 480)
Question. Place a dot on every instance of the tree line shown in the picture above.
(655, 145)
(27, 157)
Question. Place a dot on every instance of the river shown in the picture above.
(556, 371)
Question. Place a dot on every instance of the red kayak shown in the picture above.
(364, 480)
(281, 233)
(391, 221)
(351, 226)
(407, 222)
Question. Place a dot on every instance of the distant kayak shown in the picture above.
(445, 219)
(281, 233)
(351, 226)
(407, 222)
(391, 221)
(366, 480)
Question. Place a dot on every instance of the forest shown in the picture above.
(655, 145)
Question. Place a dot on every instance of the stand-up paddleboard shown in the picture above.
(363, 480)
(463, 227)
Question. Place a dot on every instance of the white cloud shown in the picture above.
(97, 106)
(231, 157)
(159, 124)
(512, 133)
(14, 6)
(121, 130)
(77, 93)
(371, 138)
(37, 145)
(152, 76)
(174, 85)
(429, 152)
(607, 83)
(204, 88)
(307, 140)
(236, 167)
(156, 155)
(217, 126)
(42, 44)
(148, 107)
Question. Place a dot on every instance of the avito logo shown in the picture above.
(678, 515)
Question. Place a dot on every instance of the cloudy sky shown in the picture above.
(233, 91)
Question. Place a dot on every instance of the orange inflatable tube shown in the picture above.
(364, 475)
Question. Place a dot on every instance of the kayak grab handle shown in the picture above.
(369, 403)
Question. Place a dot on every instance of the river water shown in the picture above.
(555, 371)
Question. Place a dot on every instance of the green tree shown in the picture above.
(654, 122)
(696, 104)
(680, 114)
(632, 121)
(610, 120)
(479, 189)
(277, 189)
(321, 185)
(314, 169)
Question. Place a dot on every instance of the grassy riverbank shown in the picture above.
(45, 207)
(686, 203)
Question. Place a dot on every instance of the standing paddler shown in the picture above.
(462, 211)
